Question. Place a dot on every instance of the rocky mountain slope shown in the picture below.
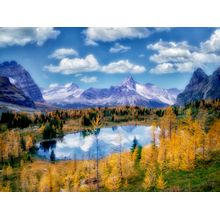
(201, 86)
(9, 93)
(22, 79)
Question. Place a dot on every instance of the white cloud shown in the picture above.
(90, 64)
(170, 51)
(213, 44)
(87, 79)
(53, 85)
(122, 66)
(161, 29)
(22, 36)
(179, 57)
(63, 52)
(185, 67)
(119, 48)
(75, 65)
(93, 35)
(163, 68)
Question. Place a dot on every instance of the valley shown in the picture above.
(130, 137)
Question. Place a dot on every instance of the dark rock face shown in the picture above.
(22, 79)
(201, 86)
(11, 94)
(213, 86)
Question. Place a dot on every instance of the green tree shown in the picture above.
(52, 156)
(134, 145)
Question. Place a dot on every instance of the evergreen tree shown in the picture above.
(52, 156)
(134, 145)
(22, 143)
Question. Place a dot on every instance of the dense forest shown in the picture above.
(185, 156)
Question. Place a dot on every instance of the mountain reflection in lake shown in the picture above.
(82, 145)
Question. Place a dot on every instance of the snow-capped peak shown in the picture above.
(129, 92)
(71, 85)
(60, 93)
(129, 83)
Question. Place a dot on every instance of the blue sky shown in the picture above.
(101, 57)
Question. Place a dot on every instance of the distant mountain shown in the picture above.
(22, 79)
(66, 93)
(9, 93)
(128, 93)
(201, 86)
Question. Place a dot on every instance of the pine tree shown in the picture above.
(52, 156)
(134, 145)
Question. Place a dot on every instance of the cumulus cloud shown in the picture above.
(212, 44)
(87, 79)
(180, 56)
(63, 52)
(75, 65)
(119, 48)
(177, 52)
(163, 68)
(90, 64)
(94, 35)
(122, 66)
(22, 36)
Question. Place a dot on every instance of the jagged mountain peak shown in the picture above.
(59, 93)
(71, 85)
(22, 78)
(129, 82)
(129, 92)
(198, 76)
(201, 86)
(9, 63)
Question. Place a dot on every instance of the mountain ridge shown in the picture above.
(21, 79)
(129, 92)
(9, 93)
(201, 86)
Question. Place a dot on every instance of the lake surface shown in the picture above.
(82, 145)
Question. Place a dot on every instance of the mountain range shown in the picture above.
(201, 86)
(18, 87)
(128, 93)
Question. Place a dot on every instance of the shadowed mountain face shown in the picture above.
(22, 79)
(128, 93)
(213, 86)
(201, 86)
(9, 93)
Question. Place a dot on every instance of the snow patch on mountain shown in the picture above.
(128, 93)
(66, 93)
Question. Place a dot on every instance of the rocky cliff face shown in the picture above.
(22, 79)
(213, 86)
(201, 86)
(9, 93)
